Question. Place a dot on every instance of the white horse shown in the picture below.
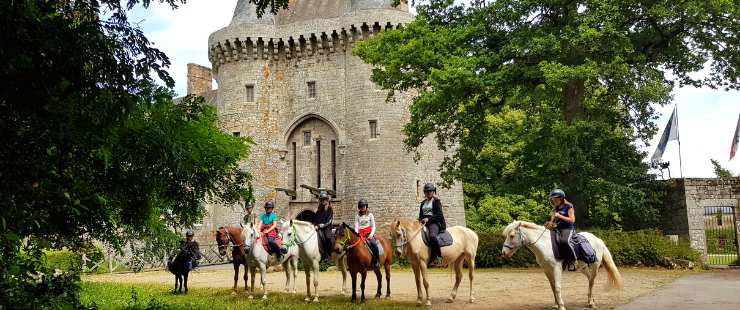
(258, 258)
(302, 235)
(537, 238)
(406, 232)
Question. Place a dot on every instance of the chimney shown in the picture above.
(199, 79)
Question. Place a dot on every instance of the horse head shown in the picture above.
(288, 232)
(222, 239)
(398, 237)
(249, 235)
(520, 234)
(342, 238)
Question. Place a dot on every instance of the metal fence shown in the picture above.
(721, 236)
(135, 259)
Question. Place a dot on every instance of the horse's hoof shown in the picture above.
(307, 300)
(449, 300)
(378, 296)
(250, 297)
(234, 294)
(388, 296)
(362, 303)
(341, 294)
(472, 300)
(264, 297)
(592, 305)
(429, 303)
(316, 301)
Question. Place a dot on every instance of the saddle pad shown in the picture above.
(278, 240)
(583, 249)
(443, 238)
(380, 247)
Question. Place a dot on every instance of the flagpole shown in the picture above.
(678, 136)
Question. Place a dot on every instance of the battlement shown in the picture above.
(300, 40)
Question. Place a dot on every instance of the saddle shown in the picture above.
(443, 238)
(380, 246)
(278, 240)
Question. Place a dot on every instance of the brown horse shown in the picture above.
(232, 237)
(359, 258)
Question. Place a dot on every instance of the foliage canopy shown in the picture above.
(533, 95)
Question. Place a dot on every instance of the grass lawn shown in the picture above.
(159, 296)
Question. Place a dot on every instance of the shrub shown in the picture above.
(646, 247)
(64, 260)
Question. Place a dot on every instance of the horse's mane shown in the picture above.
(524, 224)
(302, 223)
(350, 229)
(412, 224)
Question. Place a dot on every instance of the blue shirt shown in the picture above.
(427, 208)
(268, 219)
(564, 212)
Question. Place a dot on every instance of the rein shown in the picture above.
(521, 239)
(295, 237)
(226, 243)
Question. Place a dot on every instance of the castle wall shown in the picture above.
(278, 60)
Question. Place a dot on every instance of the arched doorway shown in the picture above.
(306, 215)
(311, 157)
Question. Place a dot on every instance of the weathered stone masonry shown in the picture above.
(323, 140)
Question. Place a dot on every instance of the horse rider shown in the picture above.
(431, 216)
(269, 229)
(564, 228)
(365, 225)
(249, 218)
(322, 223)
(191, 248)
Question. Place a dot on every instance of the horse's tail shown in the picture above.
(614, 279)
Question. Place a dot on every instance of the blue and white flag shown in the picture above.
(735, 140)
(670, 133)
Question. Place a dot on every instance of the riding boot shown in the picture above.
(326, 258)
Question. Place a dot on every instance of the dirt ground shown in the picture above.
(493, 288)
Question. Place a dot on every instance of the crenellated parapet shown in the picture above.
(299, 40)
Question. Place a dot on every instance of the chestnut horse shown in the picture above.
(359, 259)
(232, 237)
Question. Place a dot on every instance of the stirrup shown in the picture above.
(572, 265)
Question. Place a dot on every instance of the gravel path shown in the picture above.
(493, 288)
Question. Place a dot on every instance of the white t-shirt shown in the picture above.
(364, 221)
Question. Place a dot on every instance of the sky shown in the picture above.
(706, 118)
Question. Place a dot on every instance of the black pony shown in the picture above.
(185, 260)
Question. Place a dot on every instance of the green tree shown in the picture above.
(719, 171)
(91, 147)
(544, 94)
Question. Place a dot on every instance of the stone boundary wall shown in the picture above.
(682, 208)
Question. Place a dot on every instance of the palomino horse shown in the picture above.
(302, 235)
(537, 239)
(232, 237)
(359, 259)
(406, 232)
(258, 257)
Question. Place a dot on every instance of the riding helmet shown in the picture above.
(430, 187)
(269, 204)
(323, 196)
(557, 193)
(190, 233)
(249, 205)
(361, 203)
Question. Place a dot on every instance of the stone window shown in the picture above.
(250, 93)
(235, 133)
(373, 129)
(306, 138)
(312, 89)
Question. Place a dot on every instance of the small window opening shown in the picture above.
(373, 129)
(311, 89)
(250, 93)
(306, 138)
(235, 133)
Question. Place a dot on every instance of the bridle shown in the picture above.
(226, 242)
(348, 246)
(405, 239)
(248, 247)
(295, 237)
(521, 240)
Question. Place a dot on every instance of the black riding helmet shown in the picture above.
(323, 196)
(361, 203)
(269, 204)
(430, 187)
(190, 233)
(249, 205)
(557, 193)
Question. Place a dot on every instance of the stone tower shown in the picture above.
(290, 82)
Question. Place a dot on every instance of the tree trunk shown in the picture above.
(571, 102)
(572, 107)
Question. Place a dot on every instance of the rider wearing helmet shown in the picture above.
(564, 228)
(430, 214)
(269, 229)
(191, 248)
(365, 226)
(249, 218)
(322, 223)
